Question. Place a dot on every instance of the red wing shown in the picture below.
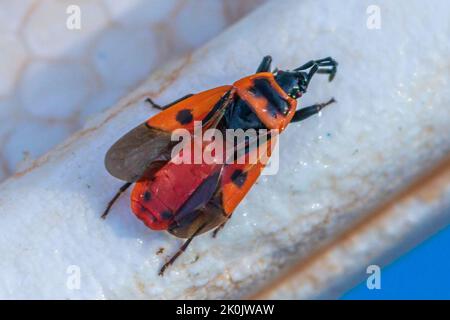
(180, 197)
(134, 154)
(184, 113)
(237, 179)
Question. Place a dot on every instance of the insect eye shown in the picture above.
(295, 93)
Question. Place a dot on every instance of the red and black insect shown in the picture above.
(190, 199)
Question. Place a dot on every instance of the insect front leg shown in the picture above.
(307, 112)
(264, 66)
(320, 66)
(121, 190)
(157, 106)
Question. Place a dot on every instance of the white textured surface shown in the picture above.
(51, 76)
(392, 117)
(393, 228)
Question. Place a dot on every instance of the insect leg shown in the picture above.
(306, 112)
(121, 190)
(220, 227)
(320, 66)
(180, 250)
(307, 65)
(264, 66)
(155, 105)
(325, 62)
(311, 73)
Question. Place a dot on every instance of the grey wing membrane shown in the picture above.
(134, 155)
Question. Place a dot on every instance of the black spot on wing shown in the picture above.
(238, 177)
(166, 215)
(147, 196)
(184, 116)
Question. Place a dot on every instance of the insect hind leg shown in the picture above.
(220, 227)
(160, 107)
(111, 202)
(180, 250)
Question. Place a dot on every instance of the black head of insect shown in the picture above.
(295, 82)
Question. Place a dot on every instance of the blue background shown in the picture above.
(422, 273)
